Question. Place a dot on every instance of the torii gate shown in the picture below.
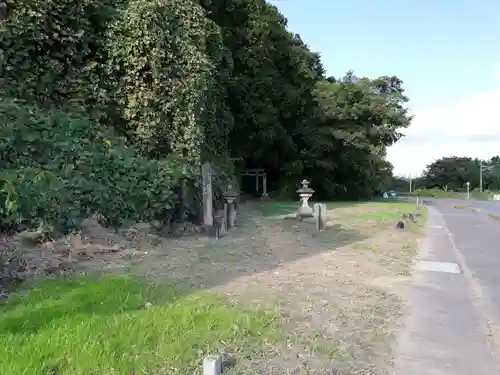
(258, 172)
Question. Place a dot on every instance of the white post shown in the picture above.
(468, 189)
(212, 365)
(264, 184)
(256, 182)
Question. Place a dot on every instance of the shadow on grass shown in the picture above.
(102, 326)
(261, 242)
(270, 208)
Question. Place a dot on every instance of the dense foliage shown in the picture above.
(58, 170)
(188, 80)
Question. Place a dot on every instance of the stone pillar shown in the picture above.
(224, 227)
(212, 365)
(208, 214)
(257, 183)
(264, 185)
(320, 216)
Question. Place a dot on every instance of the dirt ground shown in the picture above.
(339, 291)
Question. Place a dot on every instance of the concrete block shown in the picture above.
(212, 365)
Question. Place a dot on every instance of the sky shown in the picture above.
(447, 52)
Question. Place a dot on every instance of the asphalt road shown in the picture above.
(486, 206)
(453, 320)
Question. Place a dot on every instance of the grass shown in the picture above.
(86, 326)
(436, 193)
(282, 208)
(383, 212)
(102, 326)
(388, 213)
(270, 208)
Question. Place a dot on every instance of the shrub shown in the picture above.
(58, 169)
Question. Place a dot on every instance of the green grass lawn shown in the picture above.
(279, 208)
(102, 327)
(381, 212)
(385, 211)
(380, 209)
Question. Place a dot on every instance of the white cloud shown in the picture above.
(469, 127)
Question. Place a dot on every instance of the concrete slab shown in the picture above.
(448, 267)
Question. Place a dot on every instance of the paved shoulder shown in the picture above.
(445, 331)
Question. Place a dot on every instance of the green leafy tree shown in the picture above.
(157, 60)
(452, 172)
(357, 119)
(52, 52)
(173, 83)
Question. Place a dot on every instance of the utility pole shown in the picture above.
(410, 179)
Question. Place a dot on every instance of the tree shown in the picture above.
(205, 79)
(357, 119)
(399, 184)
(452, 172)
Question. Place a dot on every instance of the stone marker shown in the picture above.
(385, 196)
(212, 365)
(417, 209)
(320, 216)
(264, 186)
(208, 196)
(232, 216)
(219, 225)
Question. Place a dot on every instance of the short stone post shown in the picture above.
(212, 365)
(229, 198)
(417, 209)
(227, 214)
(305, 193)
(264, 185)
(257, 183)
(208, 215)
(220, 224)
(320, 216)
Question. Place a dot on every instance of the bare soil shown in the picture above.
(339, 291)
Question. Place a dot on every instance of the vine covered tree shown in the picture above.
(192, 81)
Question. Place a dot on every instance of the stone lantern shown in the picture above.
(305, 193)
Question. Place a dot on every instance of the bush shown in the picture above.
(58, 169)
